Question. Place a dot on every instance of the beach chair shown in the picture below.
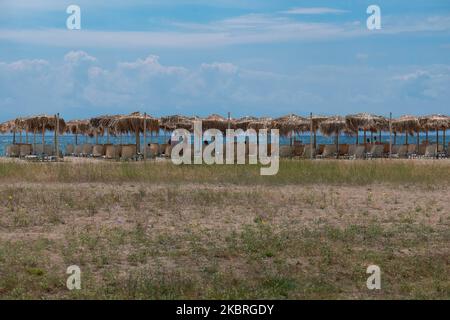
(308, 151)
(70, 149)
(37, 149)
(402, 152)
(112, 152)
(350, 152)
(78, 150)
(421, 150)
(343, 150)
(24, 149)
(329, 151)
(87, 150)
(286, 151)
(358, 152)
(319, 150)
(412, 151)
(98, 150)
(12, 150)
(128, 152)
(375, 152)
(430, 151)
(298, 149)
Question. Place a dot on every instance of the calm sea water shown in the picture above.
(64, 140)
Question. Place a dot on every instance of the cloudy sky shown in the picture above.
(199, 57)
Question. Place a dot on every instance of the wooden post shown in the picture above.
(14, 136)
(310, 135)
(145, 136)
(57, 136)
(337, 145)
(34, 141)
(443, 137)
(365, 141)
(418, 140)
(43, 138)
(138, 143)
(437, 142)
(406, 137)
(390, 134)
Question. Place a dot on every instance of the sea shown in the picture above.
(64, 140)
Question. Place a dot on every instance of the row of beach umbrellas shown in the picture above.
(137, 123)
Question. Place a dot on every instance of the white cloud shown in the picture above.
(224, 67)
(78, 56)
(87, 88)
(313, 10)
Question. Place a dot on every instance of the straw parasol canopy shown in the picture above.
(43, 123)
(261, 123)
(290, 123)
(366, 122)
(134, 122)
(77, 127)
(407, 124)
(243, 123)
(216, 121)
(435, 122)
(176, 122)
(333, 125)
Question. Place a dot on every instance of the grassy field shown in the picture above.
(157, 231)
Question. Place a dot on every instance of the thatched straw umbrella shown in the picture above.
(9, 126)
(314, 123)
(216, 121)
(334, 126)
(135, 122)
(243, 123)
(77, 127)
(407, 124)
(366, 122)
(173, 122)
(290, 124)
(435, 122)
(43, 123)
(100, 124)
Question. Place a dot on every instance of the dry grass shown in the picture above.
(209, 233)
(290, 172)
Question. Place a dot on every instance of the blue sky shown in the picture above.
(249, 57)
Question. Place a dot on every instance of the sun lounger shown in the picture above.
(329, 151)
(319, 150)
(412, 151)
(286, 151)
(402, 152)
(112, 151)
(12, 150)
(70, 149)
(308, 152)
(343, 150)
(375, 152)
(98, 150)
(78, 151)
(430, 151)
(356, 152)
(87, 150)
(298, 150)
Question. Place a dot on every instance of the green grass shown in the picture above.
(290, 172)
